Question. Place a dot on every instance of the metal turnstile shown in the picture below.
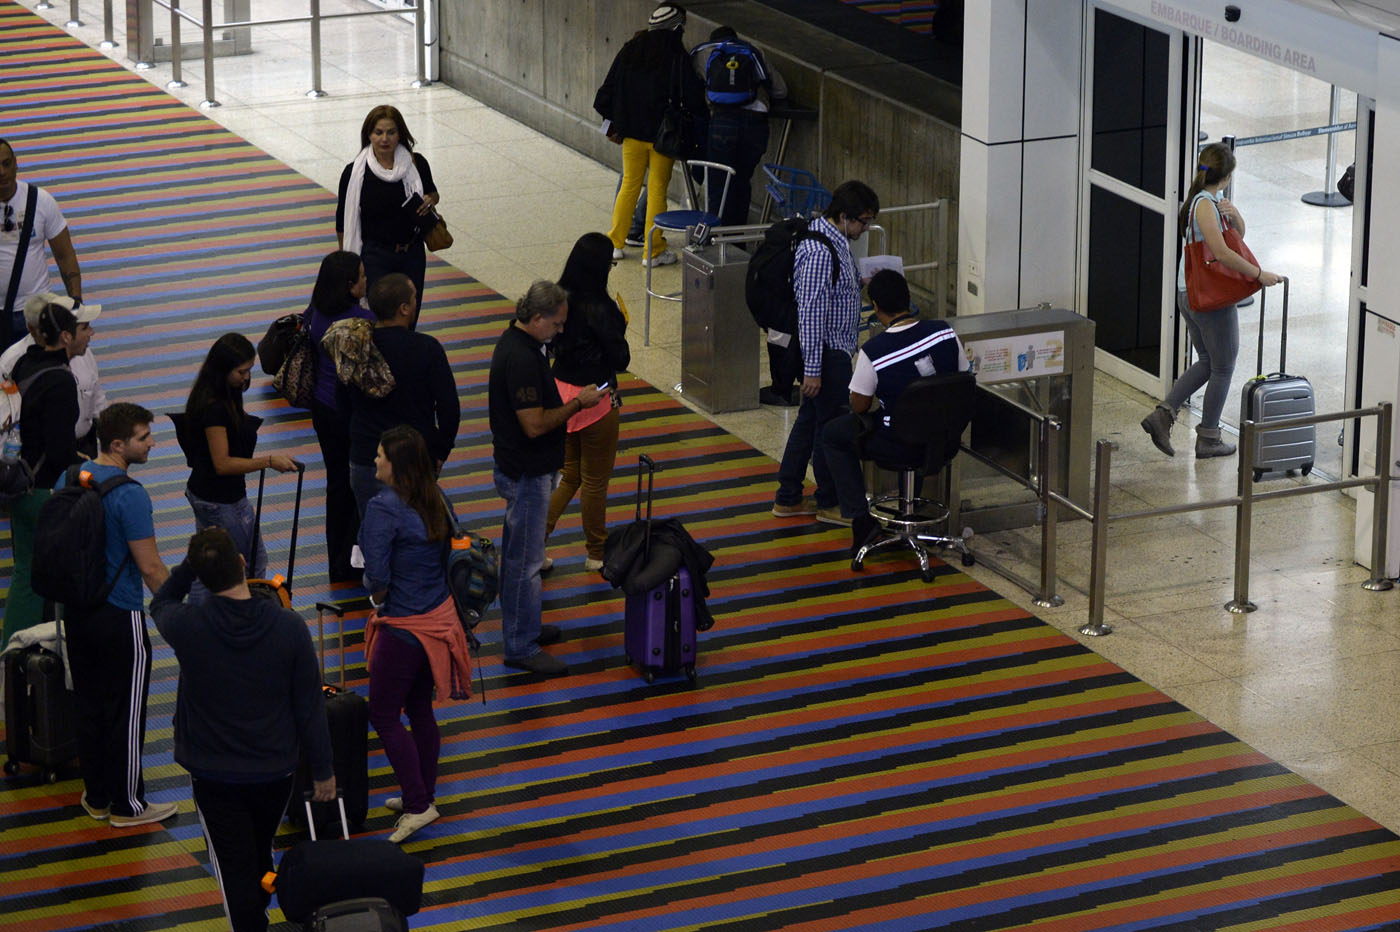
(719, 339)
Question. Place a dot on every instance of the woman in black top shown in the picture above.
(218, 438)
(386, 202)
(590, 351)
(48, 414)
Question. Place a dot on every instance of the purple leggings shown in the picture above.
(401, 680)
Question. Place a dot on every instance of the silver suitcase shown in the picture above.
(1274, 397)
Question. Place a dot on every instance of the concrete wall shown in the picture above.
(891, 125)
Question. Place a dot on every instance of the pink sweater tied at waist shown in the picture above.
(441, 635)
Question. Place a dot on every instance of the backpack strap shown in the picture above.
(26, 233)
(105, 486)
(809, 233)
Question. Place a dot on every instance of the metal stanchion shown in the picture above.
(316, 89)
(1047, 598)
(1328, 197)
(420, 38)
(108, 36)
(1244, 513)
(209, 101)
(1098, 560)
(1379, 582)
(176, 72)
(73, 21)
(43, 5)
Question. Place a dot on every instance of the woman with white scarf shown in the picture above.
(376, 215)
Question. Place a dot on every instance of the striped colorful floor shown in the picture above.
(863, 752)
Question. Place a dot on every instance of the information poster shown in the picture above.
(1020, 357)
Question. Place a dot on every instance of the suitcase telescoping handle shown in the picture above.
(1283, 331)
(650, 464)
(339, 612)
(339, 801)
(296, 520)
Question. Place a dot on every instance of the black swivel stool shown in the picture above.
(930, 415)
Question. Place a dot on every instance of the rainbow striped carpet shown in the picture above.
(861, 753)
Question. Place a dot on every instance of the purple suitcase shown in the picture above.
(658, 633)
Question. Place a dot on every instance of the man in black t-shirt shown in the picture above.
(528, 421)
(424, 395)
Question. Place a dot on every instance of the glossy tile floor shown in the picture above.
(1312, 678)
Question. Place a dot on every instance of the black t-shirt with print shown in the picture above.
(520, 378)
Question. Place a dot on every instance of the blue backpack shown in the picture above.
(733, 75)
(473, 574)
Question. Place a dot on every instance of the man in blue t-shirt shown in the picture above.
(109, 648)
(907, 349)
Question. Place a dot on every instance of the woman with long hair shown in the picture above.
(651, 68)
(219, 439)
(339, 287)
(415, 648)
(590, 351)
(1215, 332)
(386, 200)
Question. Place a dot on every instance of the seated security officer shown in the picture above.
(907, 349)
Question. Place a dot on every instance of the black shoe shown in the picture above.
(540, 663)
(863, 530)
(549, 634)
(767, 396)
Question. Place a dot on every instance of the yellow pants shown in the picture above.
(638, 159)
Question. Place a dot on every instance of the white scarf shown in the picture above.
(404, 170)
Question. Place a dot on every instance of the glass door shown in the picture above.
(1139, 107)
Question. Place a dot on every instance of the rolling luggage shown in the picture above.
(368, 914)
(1274, 397)
(315, 874)
(277, 587)
(347, 716)
(40, 718)
(658, 634)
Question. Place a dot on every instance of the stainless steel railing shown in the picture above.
(939, 263)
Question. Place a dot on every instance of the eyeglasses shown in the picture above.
(865, 221)
(9, 218)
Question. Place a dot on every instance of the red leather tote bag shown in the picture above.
(1210, 284)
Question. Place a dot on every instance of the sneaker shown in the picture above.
(833, 516)
(90, 809)
(540, 663)
(547, 565)
(1158, 425)
(394, 804)
(549, 634)
(634, 240)
(591, 565)
(802, 509)
(411, 822)
(618, 254)
(154, 812)
(665, 257)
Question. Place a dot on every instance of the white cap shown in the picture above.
(34, 306)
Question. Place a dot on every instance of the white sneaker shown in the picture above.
(592, 565)
(618, 253)
(394, 804)
(665, 257)
(411, 822)
(154, 812)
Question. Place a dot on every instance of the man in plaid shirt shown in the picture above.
(827, 316)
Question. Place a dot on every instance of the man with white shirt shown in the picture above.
(29, 216)
(91, 398)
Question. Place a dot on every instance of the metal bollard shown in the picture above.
(108, 36)
(1047, 598)
(73, 21)
(209, 101)
(1379, 581)
(1240, 604)
(176, 73)
(316, 90)
(419, 39)
(1098, 561)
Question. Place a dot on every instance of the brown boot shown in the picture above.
(1158, 425)
(1208, 443)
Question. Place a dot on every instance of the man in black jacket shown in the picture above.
(249, 700)
(424, 395)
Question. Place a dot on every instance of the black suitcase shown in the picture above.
(1274, 397)
(40, 720)
(368, 914)
(347, 716)
(317, 873)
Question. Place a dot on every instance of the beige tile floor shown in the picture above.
(1312, 678)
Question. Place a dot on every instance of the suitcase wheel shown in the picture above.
(50, 776)
(690, 673)
(11, 767)
(649, 676)
(1258, 474)
(1307, 468)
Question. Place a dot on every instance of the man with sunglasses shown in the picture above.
(30, 214)
(828, 313)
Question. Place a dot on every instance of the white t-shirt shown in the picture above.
(48, 223)
(91, 398)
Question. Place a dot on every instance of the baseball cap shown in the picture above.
(34, 306)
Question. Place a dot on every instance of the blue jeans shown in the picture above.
(1215, 336)
(738, 138)
(237, 519)
(522, 556)
(363, 485)
(805, 444)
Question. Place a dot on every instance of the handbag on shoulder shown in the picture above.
(1210, 284)
(675, 137)
(296, 379)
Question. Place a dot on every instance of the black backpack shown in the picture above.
(768, 285)
(277, 343)
(70, 542)
(732, 75)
